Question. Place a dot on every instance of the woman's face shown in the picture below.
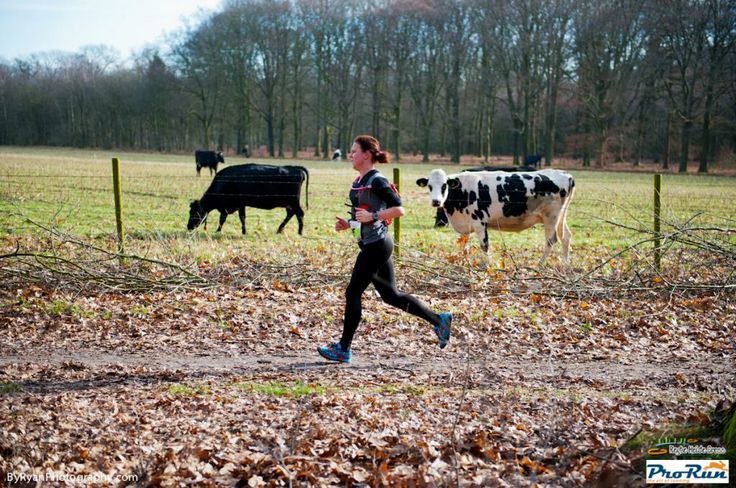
(359, 157)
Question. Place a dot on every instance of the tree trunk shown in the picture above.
(426, 130)
(297, 122)
(282, 120)
(320, 115)
(685, 143)
(586, 141)
(667, 137)
(376, 116)
(270, 131)
(551, 126)
(517, 138)
(326, 134)
(705, 153)
(456, 130)
(488, 132)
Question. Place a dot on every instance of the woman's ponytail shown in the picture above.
(371, 145)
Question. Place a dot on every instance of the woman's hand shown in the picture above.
(341, 224)
(363, 216)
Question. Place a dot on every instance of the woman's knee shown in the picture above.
(353, 293)
(392, 297)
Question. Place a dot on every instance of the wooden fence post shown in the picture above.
(117, 190)
(397, 222)
(657, 221)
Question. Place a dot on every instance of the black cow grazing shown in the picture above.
(532, 160)
(208, 159)
(440, 218)
(336, 155)
(252, 185)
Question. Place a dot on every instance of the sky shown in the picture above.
(33, 26)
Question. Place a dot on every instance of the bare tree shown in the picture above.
(556, 21)
(458, 43)
(197, 58)
(518, 57)
(720, 39)
(320, 18)
(400, 40)
(608, 44)
(424, 75)
(680, 28)
(239, 68)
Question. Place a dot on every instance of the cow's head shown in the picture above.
(438, 184)
(196, 215)
(220, 158)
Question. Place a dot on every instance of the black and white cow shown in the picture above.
(440, 218)
(337, 154)
(208, 159)
(252, 185)
(496, 200)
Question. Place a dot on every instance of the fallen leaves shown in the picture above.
(223, 387)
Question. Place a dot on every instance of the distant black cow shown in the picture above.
(533, 160)
(252, 185)
(208, 159)
(336, 155)
(440, 218)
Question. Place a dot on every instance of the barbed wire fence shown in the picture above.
(168, 259)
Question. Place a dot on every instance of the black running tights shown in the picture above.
(374, 265)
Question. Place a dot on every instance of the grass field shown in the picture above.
(72, 190)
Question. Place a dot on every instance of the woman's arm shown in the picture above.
(364, 216)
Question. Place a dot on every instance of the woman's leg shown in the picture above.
(371, 258)
(385, 282)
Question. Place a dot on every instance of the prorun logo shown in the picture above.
(687, 471)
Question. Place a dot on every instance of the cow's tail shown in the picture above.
(560, 227)
(306, 172)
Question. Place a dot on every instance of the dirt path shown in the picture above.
(708, 371)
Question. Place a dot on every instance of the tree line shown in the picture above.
(599, 80)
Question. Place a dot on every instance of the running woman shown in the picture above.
(374, 202)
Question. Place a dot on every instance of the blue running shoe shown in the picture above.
(334, 352)
(443, 330)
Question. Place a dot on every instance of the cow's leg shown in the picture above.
(289, 214)
(550, 237)
(241, 214)
(199, 168)
(563, 231)
(223, 217)
(566, 237)
(299, 218)
(482, 233)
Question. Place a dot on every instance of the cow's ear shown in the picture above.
(422, 182)
(453, 183)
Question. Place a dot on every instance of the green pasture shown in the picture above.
(72, 191)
